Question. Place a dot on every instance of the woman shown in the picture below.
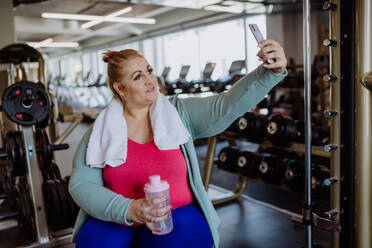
(148, 135)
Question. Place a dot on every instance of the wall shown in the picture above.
(7, 26)
(286, 28)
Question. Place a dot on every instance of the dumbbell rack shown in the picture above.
(241, 181)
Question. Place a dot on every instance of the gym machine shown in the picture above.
(32, 185)
(201, 84)
(235, 73)
(178, 85)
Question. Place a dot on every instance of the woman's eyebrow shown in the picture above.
(135, 72)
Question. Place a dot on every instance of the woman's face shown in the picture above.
(139, 86)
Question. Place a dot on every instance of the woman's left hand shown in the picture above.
(270, 49)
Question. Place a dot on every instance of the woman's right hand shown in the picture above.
(143, 211)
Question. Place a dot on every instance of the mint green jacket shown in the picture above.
(202, 117)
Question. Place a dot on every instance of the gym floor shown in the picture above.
(246, 222)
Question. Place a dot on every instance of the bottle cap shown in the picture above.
(155, 184)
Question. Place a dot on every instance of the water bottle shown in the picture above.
(157, 188)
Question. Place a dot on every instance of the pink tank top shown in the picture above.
(144, 160)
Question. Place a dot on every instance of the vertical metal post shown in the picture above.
(35, 182)
(307, 79)
(363, 124)
(245, 42)
(335, 104)
(207, 172)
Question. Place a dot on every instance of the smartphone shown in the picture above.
(259, 37)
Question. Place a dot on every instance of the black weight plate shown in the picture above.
(20, 164)
(65, 218)
(71, 206)
(72, 203)
(52, 206)
(14, 198)
(27, 215)
(26, 103)
(9, 183)
(56, 173)
(11, 148)
(20, 144)
(45, 156)
(62, 196)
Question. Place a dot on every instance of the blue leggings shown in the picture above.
(189, 230)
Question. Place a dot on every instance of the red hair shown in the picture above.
(115, 63)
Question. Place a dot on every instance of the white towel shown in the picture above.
(109, 139)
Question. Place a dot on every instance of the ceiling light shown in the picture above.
(69, 16)
(54, 44)
(230, 3)
(204, 3)
(194, 4)
(42, 43)
(115, 14)
(232, 9)
(246, 5)
(94, 17)
(133, 20)
(179, 4)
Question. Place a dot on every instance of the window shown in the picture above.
(133, 45)
(159, 55)
(182, 48)
(87, 64)
(53, 69)
(222, 43)
(148, 50)
(102, 67)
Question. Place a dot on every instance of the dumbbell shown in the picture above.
(270, 169)
(247, 164)
(250, 125)
(318, 188)
(281, 130)
(319, 137)
(227, 159)
(294, 175)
